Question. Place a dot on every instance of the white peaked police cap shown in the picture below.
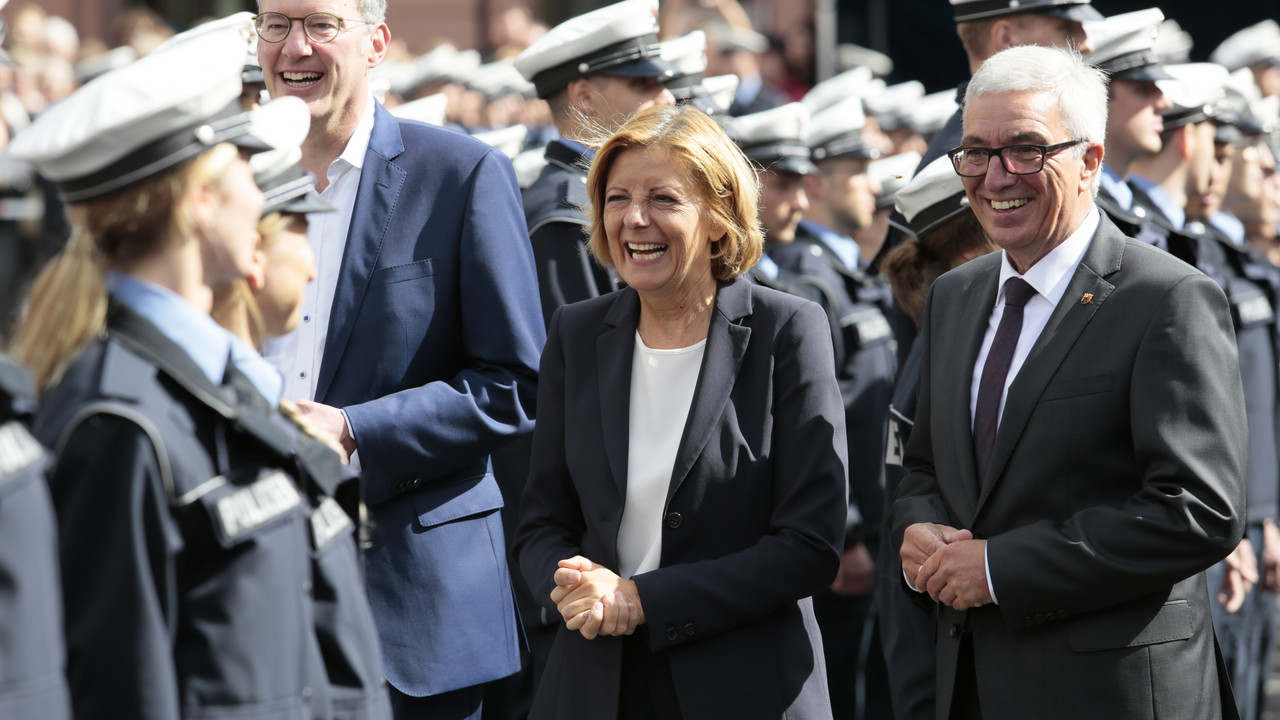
(508, 140)
(1077, 10)
(836, 131)
(1254, 44)
(1124, 45)
(856, 82)
(776, 139)
(934, 196)
(1196, 91)
(688, 56)
(283, 123)
(139, 120)
(430, 109)
(618, 39)
(892, 173)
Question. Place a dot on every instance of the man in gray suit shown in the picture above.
(1079, 449)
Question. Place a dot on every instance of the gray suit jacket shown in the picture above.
(1117, 477)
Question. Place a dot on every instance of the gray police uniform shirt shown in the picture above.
(32, 686)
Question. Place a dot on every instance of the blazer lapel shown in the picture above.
(722, 357)
(953, 387)
(614, 349)
(1065, 324)
(380, 184)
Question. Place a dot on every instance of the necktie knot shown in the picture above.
(1017, 292)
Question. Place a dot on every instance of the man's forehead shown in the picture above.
(341, 8)
(1010, 118)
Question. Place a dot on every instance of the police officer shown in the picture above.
(1244, 618)
(783, 142)
(942, 233)
(594, 70)
(32, 686)
(344, 624)
(1162, 183)
(688, 56)
(1124, 50)
(183, 538)
(1257, 48)
(986, 27)
(773, 140)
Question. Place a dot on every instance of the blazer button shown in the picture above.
(672, 635)
(674, 520)
(954, 631)
(689, 629)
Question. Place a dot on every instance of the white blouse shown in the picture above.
(662, 385)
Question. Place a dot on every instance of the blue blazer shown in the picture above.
(432, 351)
(754, 518)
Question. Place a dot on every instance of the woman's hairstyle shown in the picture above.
(68, 304)
(234, 306)
(913, 265)
(720, 174)
(1079, 88)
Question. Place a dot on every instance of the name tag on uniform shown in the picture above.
(18, 449)
(870, 326)
(327, 522)
(1255, 309)
(248, 508)
(899, 430)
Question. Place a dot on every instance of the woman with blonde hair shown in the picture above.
(267, 303)
(687, 485)
(183, 537)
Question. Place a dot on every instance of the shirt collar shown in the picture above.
(578, 147)
(265, 377)
(353, 154)
(196, 333)
(1161, 199)
(845, 247)
(1228, 225)
(768, 267)
(1051, 275)
(1116, 187)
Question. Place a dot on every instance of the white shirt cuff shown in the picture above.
(355, 454)
(986, 565)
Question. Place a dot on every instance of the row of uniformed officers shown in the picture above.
(206, 543)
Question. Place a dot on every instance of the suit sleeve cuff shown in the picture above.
(986, 565)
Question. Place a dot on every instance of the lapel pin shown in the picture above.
(1086, 298)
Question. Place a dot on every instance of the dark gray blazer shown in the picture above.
(754, 517)
(1117, 478)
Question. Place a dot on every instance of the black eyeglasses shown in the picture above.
(1016, 159)
(319, 27)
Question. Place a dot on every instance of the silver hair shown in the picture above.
(1079, 88)
(372, 12)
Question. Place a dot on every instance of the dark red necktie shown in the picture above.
(996, 370)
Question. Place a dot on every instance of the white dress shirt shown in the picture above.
(662, 385)
(298, 353)
(1049, 277)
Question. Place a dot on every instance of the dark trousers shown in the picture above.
(647, 691)
(964, 698)
(1247, 636)
(461, 704)
(857, 677)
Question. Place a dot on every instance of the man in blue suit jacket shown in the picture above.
(418, 349)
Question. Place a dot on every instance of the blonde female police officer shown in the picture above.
(184, 542)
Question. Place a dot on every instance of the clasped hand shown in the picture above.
(594, 600)
(947, 563)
